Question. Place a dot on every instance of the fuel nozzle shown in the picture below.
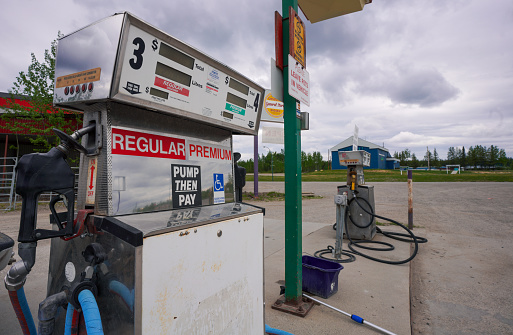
(352, 178)
(69, 142)
(48, 172)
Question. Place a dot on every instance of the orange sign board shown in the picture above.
(81, 77)
(297, 37)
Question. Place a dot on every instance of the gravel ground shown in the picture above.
(462, 279)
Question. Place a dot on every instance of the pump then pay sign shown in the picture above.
(186, 185)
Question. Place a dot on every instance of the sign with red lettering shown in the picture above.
(201, 151)
(299, 82)
(169, 85)
(134, 143)
(91, 181)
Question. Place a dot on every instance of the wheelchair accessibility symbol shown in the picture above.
(218, 182)
(219, 188)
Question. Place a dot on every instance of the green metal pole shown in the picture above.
(293, 194)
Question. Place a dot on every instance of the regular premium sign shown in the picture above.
(134, 143)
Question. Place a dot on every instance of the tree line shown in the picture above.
(275, 162)
(477, 157)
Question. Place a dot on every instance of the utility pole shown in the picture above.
(428, 154)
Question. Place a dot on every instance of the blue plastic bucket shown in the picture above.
(320, 276)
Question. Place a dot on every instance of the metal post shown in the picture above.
(5, 157)
(341, 203)
(293, 208)
(255, 165)
(410, 199)
(272, 163)
(272, 167)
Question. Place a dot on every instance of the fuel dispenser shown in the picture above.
(160, 240)
(360, 224)
(356, 217)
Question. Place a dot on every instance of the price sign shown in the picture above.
(155, 71)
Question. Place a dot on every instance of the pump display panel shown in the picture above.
(153, 70)
(160, 73)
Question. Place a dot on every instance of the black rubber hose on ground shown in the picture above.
(410, 237)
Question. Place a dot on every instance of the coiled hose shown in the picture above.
(409, 237)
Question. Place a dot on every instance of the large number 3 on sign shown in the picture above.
(136, 62)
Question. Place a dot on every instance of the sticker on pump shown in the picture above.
(186, 185)
(219, 188)
(91, 181)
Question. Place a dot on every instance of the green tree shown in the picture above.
(403, 156)
(414, 161)
(463, 158)
(428, 158)
(36, 85)
(436, 159)
(493, 155)
(472, 157)
(453, 155)
(503, 159)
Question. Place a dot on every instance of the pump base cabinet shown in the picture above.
(213, 285)
(201, 272)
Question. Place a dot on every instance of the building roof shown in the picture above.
(361, 143)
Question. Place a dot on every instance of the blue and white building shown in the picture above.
(380, 156)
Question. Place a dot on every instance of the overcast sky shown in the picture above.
(409, 74)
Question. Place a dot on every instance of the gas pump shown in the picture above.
(360, 224)
(356, 218)
(159, 243)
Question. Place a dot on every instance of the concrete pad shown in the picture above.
(377, 292)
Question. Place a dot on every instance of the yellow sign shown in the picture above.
(273, 106)
(82, 77)
(297, 44)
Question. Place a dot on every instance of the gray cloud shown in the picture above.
(440, 71)
(412, 86)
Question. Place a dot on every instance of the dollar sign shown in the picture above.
(154, 44)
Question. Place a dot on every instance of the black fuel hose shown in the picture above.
(410, 237)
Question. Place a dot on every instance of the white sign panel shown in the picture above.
(355, 138)
(276, 81)
(272, 135)
(299, 82)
